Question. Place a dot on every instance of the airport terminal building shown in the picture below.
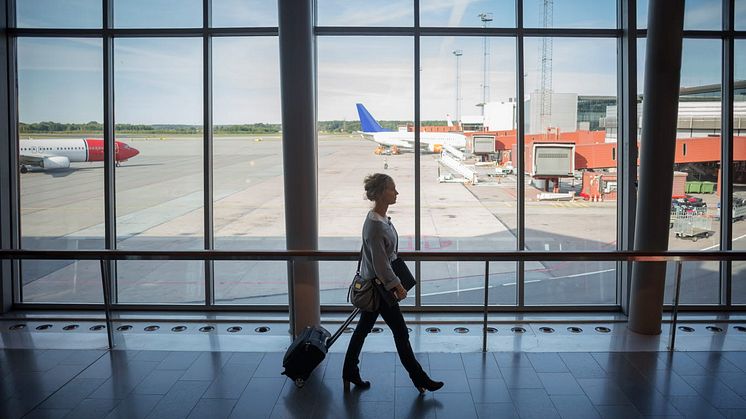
(181, 196)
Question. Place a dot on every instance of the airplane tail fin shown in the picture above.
(448, 118)
(367, 122)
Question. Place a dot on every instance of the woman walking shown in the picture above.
(379, 249)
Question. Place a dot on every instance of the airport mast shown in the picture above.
(546, 67)
(458, 53)
(486, 18)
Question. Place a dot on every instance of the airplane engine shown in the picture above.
(435, 148)
(56, 162)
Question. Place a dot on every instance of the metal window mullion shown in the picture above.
(417, 174)
(520, 178)
(110, 235)
(207, 157)
(11, 220)
(626, 142)
(726, 143)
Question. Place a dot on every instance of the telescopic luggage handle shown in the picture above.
(338, 333)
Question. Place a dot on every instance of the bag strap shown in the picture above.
(359, 260)
(397, 236)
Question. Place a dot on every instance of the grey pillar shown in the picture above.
(300, 161)
(657, 147)
(8, 168)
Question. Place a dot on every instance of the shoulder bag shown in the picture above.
(361, 292)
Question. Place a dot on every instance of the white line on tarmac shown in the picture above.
(513, 283)
(717, 245)
(562, 277)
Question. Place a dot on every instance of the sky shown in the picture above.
(159, 80)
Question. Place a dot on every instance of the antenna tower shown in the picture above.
(546, 67)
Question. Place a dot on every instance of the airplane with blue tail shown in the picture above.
(393, 142)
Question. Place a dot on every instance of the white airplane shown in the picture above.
(394, 141)
(58, 153)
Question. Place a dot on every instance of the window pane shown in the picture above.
(382, 81)
(58, 13)
(468, 194)
(158, 102)
(235, 13)
(157, 13)
(248, 197)
(697, 170)
(740, 15)
(571, 178)
(698, 14)
(571, 14)
(365, 13)
(738, 211)
(497, 14)
(61, 184)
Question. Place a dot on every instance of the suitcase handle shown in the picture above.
(338, 333)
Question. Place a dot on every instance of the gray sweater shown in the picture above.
(379, 249)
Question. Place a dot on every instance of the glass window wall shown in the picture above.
(467, 88)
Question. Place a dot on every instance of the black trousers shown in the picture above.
(394, 319)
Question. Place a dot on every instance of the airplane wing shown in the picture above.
(388, 141)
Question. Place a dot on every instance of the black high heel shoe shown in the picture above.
(354, 380)
(425, 383)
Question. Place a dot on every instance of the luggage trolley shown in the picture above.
(691, 226)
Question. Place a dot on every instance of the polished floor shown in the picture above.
(72, 383)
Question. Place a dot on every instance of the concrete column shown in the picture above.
(299, 151)
(657, 147)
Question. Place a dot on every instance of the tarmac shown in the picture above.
(159, 205)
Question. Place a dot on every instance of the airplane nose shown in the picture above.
(133, 152)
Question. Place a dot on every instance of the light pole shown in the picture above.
(486, 18)
(458, 53)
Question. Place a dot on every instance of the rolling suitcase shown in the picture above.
(309, 349)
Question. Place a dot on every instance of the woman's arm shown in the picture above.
(380, 260)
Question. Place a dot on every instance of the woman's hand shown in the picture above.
(400, 293)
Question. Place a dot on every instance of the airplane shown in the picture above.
(391, 142)
(58, 153)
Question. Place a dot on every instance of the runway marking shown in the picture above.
(717, 245)
(563, 277)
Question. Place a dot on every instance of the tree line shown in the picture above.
(337, 126)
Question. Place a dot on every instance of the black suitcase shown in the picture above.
(309, 349)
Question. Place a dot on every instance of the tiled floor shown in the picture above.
(161, 384)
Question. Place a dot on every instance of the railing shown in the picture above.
(292, 256)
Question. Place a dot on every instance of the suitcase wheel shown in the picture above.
(299, 382)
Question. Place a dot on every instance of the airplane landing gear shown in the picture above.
(24, 169)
